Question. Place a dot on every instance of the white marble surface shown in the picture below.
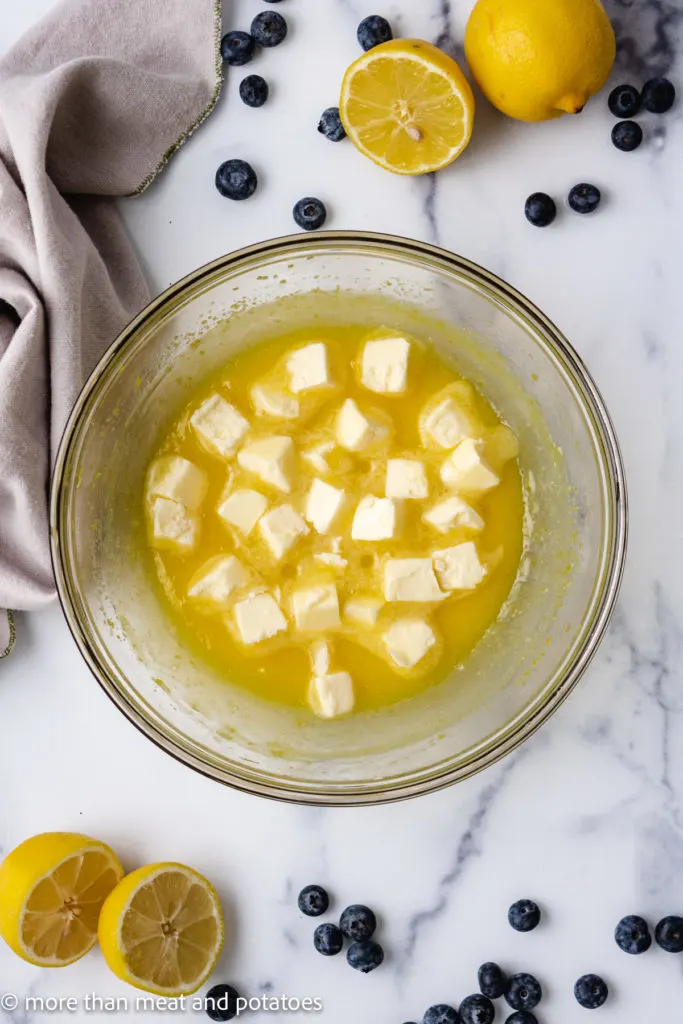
(588, 817)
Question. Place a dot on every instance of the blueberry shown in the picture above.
(627, 136)
(358, 922)
(254, 90)
(220, 1002)
(669, 934)
(442, 1013)
(374, 30)
(492, 981)
(584, 198)
(331, 126)
(658, 95)
(237, 48)
(524, 915)
(624, 101)
(269, 28)
(523, 992)
(313, 901)
(477, 1010)
(236, 179)
(521, 1017)
(590, 991)
(310, 213)
(633, 935)
(328, 940)
(364, 956)
(540, 210)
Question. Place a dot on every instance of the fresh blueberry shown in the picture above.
(524, 915)
(477, 1010)
(237, 48)
(310, 214)
(540, 210)
(374, 30)
(492, 981)
(358, 922)
(627, 136)
(584, 198)
(313, 901)
(254, 90)
(590, 991)
(442, 1013)
(524, 992)
(669, 934)
(521, 1017)
(633, 935)
(364, 956)
(269, 28)
(328, 940)
(658, 95)
(331, 125)
(236, 179)
(220, 1002)
(624, 101)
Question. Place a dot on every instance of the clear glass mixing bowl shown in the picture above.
(523, 668)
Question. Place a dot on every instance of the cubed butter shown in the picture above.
(218, 579)
(324, 505)
(331, 696)
(178, 480)
(272, 459)
(316, 608)
(281, 528)
(321, 657)
(406, 478)
(448, 423)
(243, 509)
(331, 558)
(173, 525)
(451, 513)
(268, 401)
(219, 426)
(355, 431)
(408, 641)
(384, 365)
(258, 618)
(308, 368)
(459, 568)
(327, 458)
(363, 611)
(375, 519)
(411, 579)
(466, 470)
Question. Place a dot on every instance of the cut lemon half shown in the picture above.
(52, 888)
(161, 929)
(408, 106)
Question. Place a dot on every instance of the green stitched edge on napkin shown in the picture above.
(217, 31)
(12, 636)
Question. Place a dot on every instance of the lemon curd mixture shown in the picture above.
(336, 519)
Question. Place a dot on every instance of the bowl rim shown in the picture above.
(529, 720)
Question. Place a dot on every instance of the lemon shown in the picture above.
(52, 888)
(539, 59)
(161, 929)
(408, 106)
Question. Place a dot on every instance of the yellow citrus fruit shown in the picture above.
(539, 59)
(52, 888)
(408, 106)
(161, 929)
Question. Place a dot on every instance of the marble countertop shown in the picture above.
(587, 818)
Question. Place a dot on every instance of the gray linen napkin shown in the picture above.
(93, 102)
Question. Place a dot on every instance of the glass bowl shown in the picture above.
(523, 668)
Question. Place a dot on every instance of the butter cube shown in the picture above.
(466, 470)
(331, 696)
(406, 478)
(453, 512)
(385, 365)
(258, 617)
(272, 459)
(173, 525)
(411, 579)
(316, 608)
(321, 657)
(219, 426)
(218, 579)
(323, 505)
(408, 641)
(268, 401)
(178, 480)
(281, 528)
(326, 458)
(363, 611)
(355, 431)
(448, 423)
(331, 558)
(459, 568)
(375, 519)
(308, 368)
(243, 509)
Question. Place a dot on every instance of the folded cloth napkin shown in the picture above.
(93, 102)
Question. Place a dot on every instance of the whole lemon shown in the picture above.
(539, 59)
